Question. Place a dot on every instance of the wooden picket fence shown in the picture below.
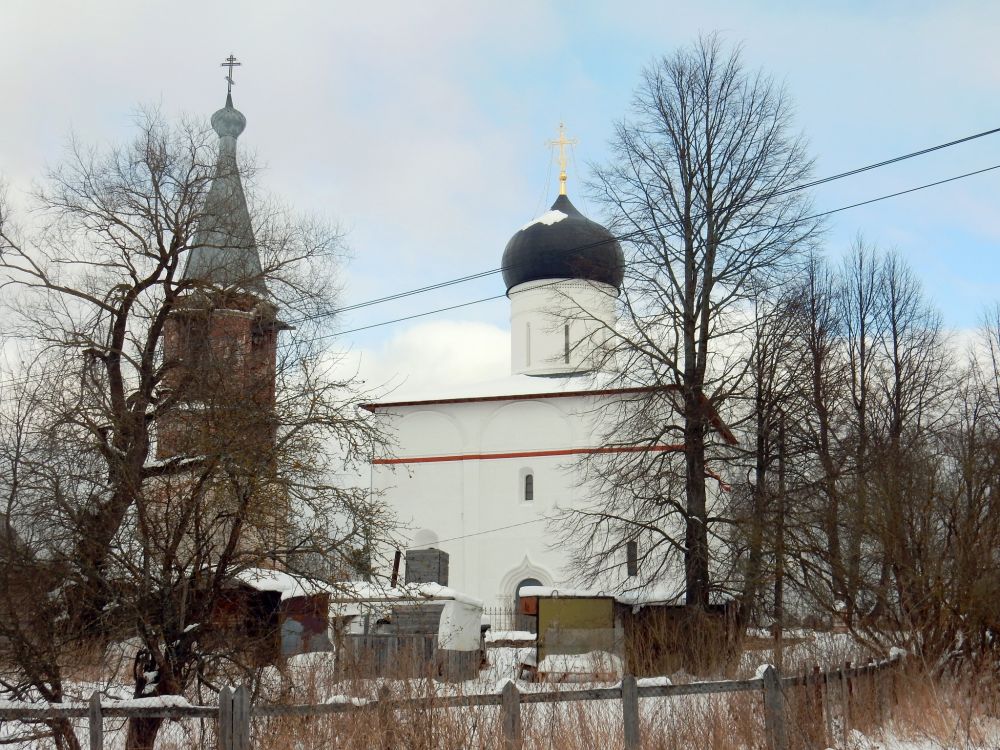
(235, 711)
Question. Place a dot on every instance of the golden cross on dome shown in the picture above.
(562, 142)
(230, 63)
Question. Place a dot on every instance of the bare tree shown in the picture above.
(182, 435)
(818, 429)
(759, 507)
(702, 180)
(891, 436)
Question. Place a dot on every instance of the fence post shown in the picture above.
(630, 711)
(241, 718)
(845, 702)
(95, 722)
(225, 719)
(510, 717)
(774, 719)
(824, 688)
(894, 685)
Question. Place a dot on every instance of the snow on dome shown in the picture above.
(563, 244)
(548, 219)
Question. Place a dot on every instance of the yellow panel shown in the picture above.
(575, 626)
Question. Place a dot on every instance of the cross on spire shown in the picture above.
(230, 63)
(562, 142)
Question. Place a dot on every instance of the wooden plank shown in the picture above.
(827, 713)
(701, 688)
(159, 712)
(95, 722)
(774, 713)
(510, 717)
(226, 719)
(41, 713)
(845, 706)
(241, 718)
(630, 712)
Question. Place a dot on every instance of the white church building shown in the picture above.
(477, 471)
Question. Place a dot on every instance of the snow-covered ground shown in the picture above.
(733, 719)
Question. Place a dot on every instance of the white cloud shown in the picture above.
(433, 357)
(420, 126)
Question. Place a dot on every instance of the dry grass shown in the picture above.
(954, 711)
(947, 713)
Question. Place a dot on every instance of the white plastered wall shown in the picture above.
(540, 311)
(474, 506)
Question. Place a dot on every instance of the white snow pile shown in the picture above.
(513, 636)
(653, 682)
(289, 586)
(499, 685)
(580, 667)
(548, 218)
(157, 701)
(343, 699)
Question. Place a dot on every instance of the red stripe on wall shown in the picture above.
(531, 454)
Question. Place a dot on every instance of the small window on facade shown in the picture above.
(529, 488)
(566, 343)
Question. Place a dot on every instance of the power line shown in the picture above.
(491, 531)
(637, 232)
(629, 235)
(321, 337)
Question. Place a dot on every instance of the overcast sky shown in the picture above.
(419, 126)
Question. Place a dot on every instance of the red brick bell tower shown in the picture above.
(220, 342)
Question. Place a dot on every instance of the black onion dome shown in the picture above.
(574, 247)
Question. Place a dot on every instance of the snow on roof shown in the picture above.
(631, 598)
(636, 598)
(290, 586)
(548, 218)
(517, 636)
(352, 591)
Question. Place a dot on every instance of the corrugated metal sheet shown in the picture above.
(576, 626)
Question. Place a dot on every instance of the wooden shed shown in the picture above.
(405, 631)
(649, 635)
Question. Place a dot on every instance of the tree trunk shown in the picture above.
(63, 735)
(142, 733)
(696, 556)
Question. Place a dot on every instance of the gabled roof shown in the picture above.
(528, 387)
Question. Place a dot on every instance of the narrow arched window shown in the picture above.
(529, 488)
(566, 343)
